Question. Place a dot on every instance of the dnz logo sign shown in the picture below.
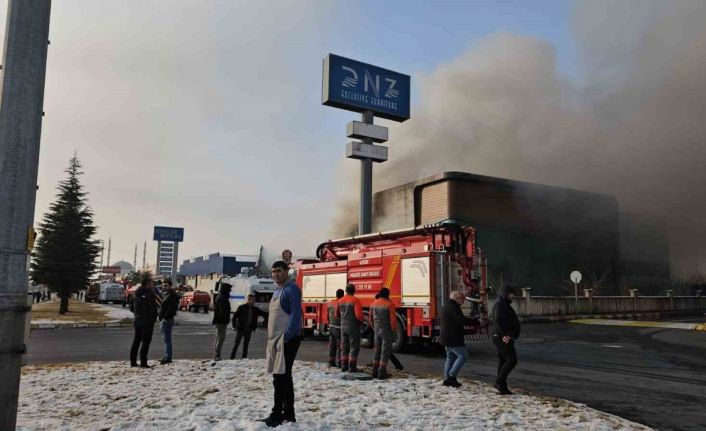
(374, 84)
(356, 86)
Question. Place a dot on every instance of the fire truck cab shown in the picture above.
(420, 266)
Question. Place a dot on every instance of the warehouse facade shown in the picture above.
(534, 235)
(203, 272)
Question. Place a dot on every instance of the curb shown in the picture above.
(111, 324)
(567, 317)
(642, 324)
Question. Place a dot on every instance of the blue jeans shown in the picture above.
(166, 330)
(455, 358)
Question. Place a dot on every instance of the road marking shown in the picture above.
(612, 346)
(642, 324)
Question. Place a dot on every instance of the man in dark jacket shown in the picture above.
(452, 338)
(167, 311)
(506, 330)
(221, 318)
(145, 311)
(244, 323)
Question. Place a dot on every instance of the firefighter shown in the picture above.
(383, 319)
(334, 332)
(350, 311)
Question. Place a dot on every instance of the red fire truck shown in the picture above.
(420, 266)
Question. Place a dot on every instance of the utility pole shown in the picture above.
(108, 262)
(134, 259)
(144, 255)
(21, 104)
(102, 249)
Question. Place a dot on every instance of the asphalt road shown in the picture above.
(655, 377)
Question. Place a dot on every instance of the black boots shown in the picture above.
(452, 382)
(502, 389)
(382, 373)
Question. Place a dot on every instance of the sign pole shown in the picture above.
(366, 184)
(576, 292)
(372, 91)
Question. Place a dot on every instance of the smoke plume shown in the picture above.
(630, 122)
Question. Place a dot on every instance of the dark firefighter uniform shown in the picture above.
(350, 311)
(383, 319)
(334, 338)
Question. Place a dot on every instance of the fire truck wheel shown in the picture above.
(401, 339)
(366, 337)
(366, 334)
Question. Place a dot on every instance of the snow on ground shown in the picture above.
(114, 313)
(117, 312)
(182, 317)
(232, 395)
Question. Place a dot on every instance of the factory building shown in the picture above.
(203, 272)
(533, 235)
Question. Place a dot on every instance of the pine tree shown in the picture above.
(65, 254)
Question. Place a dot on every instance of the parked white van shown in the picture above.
(111, 292)
(244, 285)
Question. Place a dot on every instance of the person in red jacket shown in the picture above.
(350, 311)
(334, 332)
(383, 320)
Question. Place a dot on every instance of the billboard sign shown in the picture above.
(162, 233)
(359, 87)
(360, 150)
(111, 270)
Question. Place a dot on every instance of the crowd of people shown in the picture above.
(346, 322)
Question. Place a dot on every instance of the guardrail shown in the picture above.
(528, 305)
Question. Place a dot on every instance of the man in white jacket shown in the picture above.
(284, 334)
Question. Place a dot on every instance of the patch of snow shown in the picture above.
(114, 315)
(233, 395)
(117, 312)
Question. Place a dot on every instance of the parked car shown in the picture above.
(195, 301)
(92, 293)
(110, 292)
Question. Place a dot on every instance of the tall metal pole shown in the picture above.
(21, 103)
(144, 255)
(102, 248)
(110, 240)
(366, 185)
(175, 259)
(159, 251)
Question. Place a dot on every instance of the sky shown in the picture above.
(207, 115)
